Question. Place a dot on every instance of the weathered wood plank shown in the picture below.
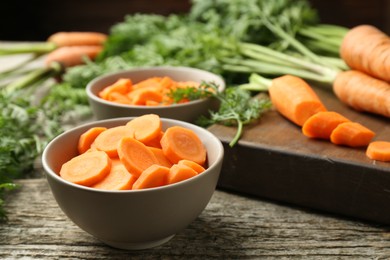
(231, 227)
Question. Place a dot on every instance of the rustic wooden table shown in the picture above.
(233, 226)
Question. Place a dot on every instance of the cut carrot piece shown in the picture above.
(146, 127)
(153, 176)
(163, 161)
(118, 98)
(351, 134)
(180, 143)
(147, 83)
(135, 156)
(108, 140)
(180, 172)
(321, 124)
(87, 138)
(117, 179)
(141, 96)
(167, 83)
(121, 86)
(197, 167)
(379, 151)
(155, 142)
(86, 169)
(294, 99)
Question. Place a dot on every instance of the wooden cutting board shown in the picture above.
(274, 160)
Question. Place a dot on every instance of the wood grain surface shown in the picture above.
(231, 227)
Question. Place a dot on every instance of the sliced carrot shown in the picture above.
(294, 99)
(155, 142)
(117, 179)
(143, 95)
(379, 151)
(135, 156)
(321, 124)
(351, 134)
(150, 82)
(167, 83)
(197, 167)
(86, 169)
(180, 172)
(70, 56)
(146, 127)
(122, 86)
(153, 176)
(108, 140)
(162, 160)
(77, 38)
(118, 98)
(88, 137)
(180, 143)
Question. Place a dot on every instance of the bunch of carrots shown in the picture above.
(153, 91)
(363, 85)
(137, 155)
(62, 50)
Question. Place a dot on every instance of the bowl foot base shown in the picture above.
(138, 246)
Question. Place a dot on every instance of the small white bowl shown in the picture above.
(132, 219)
(189, 112)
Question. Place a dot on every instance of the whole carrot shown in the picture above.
(61, 39)
(362, 92)
(367, 49)
(73, 55)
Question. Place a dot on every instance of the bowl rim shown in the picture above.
(49, 171)
(94, 97)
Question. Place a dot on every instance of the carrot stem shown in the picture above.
(41, 47)
(33, 77)
(295, 43)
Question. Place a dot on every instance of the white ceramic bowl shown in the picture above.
(103, 109)
(133, 219)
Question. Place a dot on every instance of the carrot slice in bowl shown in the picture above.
(180, 143)
(86, 169)
(135, 156)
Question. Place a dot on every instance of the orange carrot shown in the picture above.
(367, 49)
(155, 142)
(117, 179)
(294, 99)
(362, 92)
(180, 143)
(351, 134)
(379, 151)
(153, 82)
(162, 159)
(143, 95)
(153, 176)
(73, 55)
(146, 127)
(135, 156)
(77, 38)
(109, 139)
(197, 167)
(321, 124)
(88, 137)
(121, 86)
(118, 98)
(180, 172)
(86, 169)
